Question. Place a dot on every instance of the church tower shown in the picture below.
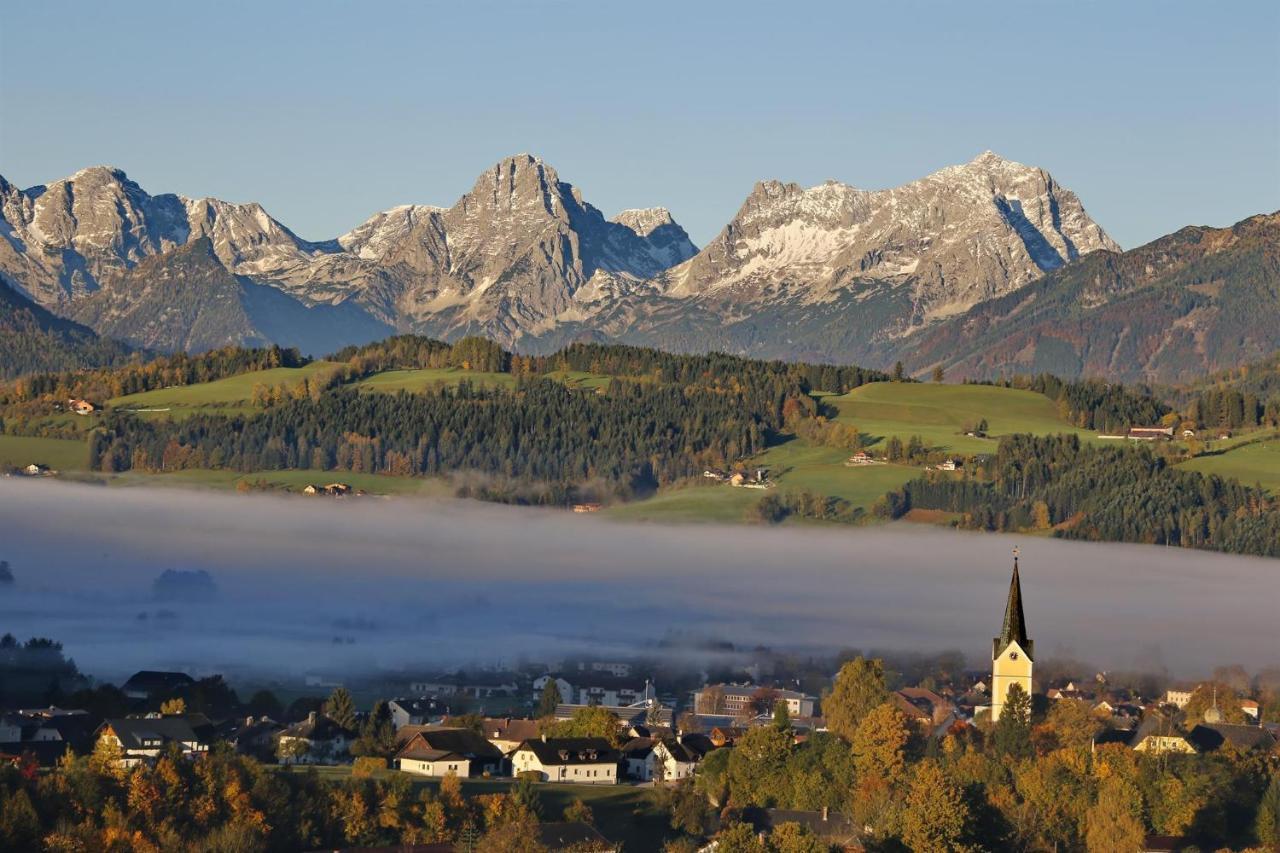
(1012, 651)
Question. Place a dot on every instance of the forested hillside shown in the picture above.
(1106, 492)
(32, 339)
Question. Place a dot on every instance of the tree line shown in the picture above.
(1112, 492)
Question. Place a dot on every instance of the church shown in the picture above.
(1013, 652)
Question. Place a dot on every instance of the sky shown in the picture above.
(1158, 114)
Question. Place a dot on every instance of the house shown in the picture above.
(726, 735)
(506, 733)
(1149, 433)
(617, 669)
(678, 758)
(598, 688)
(255, 736)
(578, 837)
(1156, 734)
(736, 699)
(948, 465)
(1178, 696)
(1211, 737)
(583, 761)
(439, 752)
(737, 479)
(143, 738)
(587, 507)
(835, 830)
(1188, 433)
(715, 474)
(36, 469)
(81, 407)
(319, 739)
(148, 683)
(311, 489)
(416, 712)
(1250, 708)
(862, 457)
(923, 708)
(337, 489)
(637, 758)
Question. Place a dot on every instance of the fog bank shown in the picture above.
(416, 583)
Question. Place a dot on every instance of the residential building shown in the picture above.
(317, 740)
(1178, 696)
(583, 761)
(1012, 651)
(144, 738)
(1150, 433)
(416, 712)
(439, 752)
(479, 685)
(736, 700)
(507, 733)
(597, 688)
(678, 758)
(1156, 734)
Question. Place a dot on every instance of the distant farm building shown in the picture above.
(587, 507)
(1149, 433)
(81, 407)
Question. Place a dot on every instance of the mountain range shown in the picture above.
(976, 267)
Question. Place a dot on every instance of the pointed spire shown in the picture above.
(1014, 629)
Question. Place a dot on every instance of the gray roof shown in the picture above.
(155, 732)
(572, 750)
(1208, 737)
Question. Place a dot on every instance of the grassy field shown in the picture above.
(939, 413)
(713, 503)
(821, 470)
(293, 481)
(61, 454)
(1255, 463)
(623, 813)
(232, 395)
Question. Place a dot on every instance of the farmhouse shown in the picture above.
(506, 733)
(1149, 433)
(862, 457)
(439, 752)
(583, 761)
(1157, 735)
(37, 469)
(679, 758)
(587, 507)
(81, 407)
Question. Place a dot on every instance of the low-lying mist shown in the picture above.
(332, 586)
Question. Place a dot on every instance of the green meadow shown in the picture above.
(230, 396)
(61, 454)
(1255, 463)
(939, 413)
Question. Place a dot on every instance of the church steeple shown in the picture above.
(1012, 651)
(1014, 629)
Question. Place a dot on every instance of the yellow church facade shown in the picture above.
(1012, 653)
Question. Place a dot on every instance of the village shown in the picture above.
(611, 722)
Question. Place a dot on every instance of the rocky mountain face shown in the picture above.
(832, 272)
(1196, 301)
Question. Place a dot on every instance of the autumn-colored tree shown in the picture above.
(756, 765)
(859, 687)
(711, 700)
(1072, 723)
(879, 745)
(173, 706)
(1114, 823)
(936, 817)
(592, 721)
(1267, 824)
(791, 837)
(1208, 695)
(579, 812)
(739, 838)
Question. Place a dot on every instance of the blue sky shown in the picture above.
(1158, 115)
